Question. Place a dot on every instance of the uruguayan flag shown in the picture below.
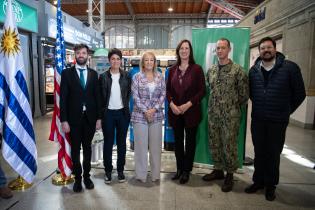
(16, 122)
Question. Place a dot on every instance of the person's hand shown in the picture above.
(65, 127)
(175, 109)
(150, 114)
(184, 107)
(98, 125)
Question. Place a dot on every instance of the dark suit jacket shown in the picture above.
(193, 90)
(73, 95)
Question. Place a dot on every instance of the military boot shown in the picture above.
(215, 174)
(228, 183)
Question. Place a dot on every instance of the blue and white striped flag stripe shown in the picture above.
(16, 122)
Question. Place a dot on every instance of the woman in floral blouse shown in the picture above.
(148, 90)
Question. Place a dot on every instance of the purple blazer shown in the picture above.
(192, 89)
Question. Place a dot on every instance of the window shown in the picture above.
(180, 33)
(152, 37)
(119, 37)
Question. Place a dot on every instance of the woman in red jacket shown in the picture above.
(184, 90)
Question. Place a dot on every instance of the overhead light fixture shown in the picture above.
(55, 2)
(87, 10)
(170, 9)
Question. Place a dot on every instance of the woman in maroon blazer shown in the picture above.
(184, 90)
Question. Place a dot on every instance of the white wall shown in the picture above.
(304, 115)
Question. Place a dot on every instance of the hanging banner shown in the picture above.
(204, 45)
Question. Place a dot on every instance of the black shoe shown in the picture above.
(177, 175)
(253, 188)
(228, 183)
(77, 186)
(88, 184)
(215, 174)
(184, 178)
(108, 177)
(121, 177)
(270, 193)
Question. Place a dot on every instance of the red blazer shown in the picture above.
(192, 89)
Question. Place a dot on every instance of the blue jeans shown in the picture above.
(115, 120)
(3, 180)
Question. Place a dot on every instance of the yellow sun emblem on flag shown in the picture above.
(10, 43)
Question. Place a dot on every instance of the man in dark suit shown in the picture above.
(80, 113)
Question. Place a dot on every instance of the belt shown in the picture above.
(116, 110)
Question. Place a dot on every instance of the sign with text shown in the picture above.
(74, 36)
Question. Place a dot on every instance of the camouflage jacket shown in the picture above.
(228, 90)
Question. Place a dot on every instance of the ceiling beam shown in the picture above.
(73, 2)
(227, 7)
(150, 16)
(130, 9)
(171, 16)
(146, 1)
(208, 15)
(122, 1)
(252, 6)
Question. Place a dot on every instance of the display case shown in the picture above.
(49, 65)
(49, 83)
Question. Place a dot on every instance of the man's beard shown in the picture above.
(268, 59)
(81, 63)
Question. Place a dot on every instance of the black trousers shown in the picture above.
(115, 120)
(81, 134)
(268, 140)
(185, 153)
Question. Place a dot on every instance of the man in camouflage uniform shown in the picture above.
(228, 85)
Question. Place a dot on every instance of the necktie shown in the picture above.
(82, 81)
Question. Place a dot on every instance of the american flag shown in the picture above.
(56, 134)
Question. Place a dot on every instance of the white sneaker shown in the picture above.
(108, 177)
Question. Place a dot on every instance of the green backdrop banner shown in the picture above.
(204, 41)
(25, 16)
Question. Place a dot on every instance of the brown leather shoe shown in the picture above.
(215, 174)
(228, 183)
(5, 193)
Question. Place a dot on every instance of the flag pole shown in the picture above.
(60, 180)
(19, 146)
(19, 184)
(63, 175)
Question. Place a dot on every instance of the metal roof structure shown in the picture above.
(158, 9)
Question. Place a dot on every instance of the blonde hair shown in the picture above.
(142, 61)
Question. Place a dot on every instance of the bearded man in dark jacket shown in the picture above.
(276, 91)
